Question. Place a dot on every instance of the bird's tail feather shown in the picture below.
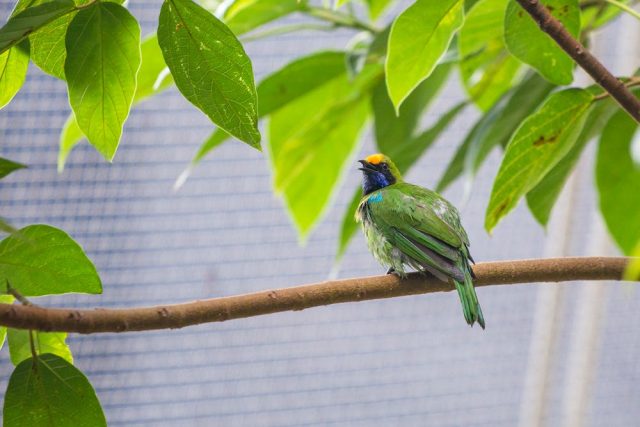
(468, 298)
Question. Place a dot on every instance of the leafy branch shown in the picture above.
(303, 297)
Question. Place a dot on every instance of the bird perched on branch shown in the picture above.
(410, 226)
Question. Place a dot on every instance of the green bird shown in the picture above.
(407, 226)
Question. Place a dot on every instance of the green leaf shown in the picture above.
(44, 342)
(542, 140)
(245, 15)
(495, 128)
(404, 156)
(210, 68)
(527, 42)
(393, 130)
(29, 20)
(50, 392)
(8, 166)
(543, 196)
(291, 82)
(103, 57)
(376, 7)
(4, 299)
(43, 260)
(632, 271)
(599, 14)
(309, 158)
(13, 71)
(618, 181)
(419, 37)
(153, 78)
(486, 67)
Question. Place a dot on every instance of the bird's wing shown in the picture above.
(424, 226)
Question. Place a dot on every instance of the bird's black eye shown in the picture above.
(385, 167)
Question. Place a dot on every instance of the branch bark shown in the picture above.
(301, 297)
(583, 57)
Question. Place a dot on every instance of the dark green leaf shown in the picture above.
(153, 78)
(44, 342)
(327, 138)
(495, 128)
(8, 166)
(618, 180)
(486, 68)
(544, 195)
(4, 299)
(103, 57)
(393, 130)
(527, 42)
(245, 15)
(24, 23)
(419, 37)
(210, 68)
(50, 392)
(542, 140)
(13, 70)
(349, 225)
(43, 260)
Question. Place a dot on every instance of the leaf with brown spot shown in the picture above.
(531, 154)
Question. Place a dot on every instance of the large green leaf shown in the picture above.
(486, 68)
(419, 37)
(308, 159)
(542, 140)
(618, 180)
(543, 196)
(527, 42)
(291, 82)
(13, 71)
(153, 78)
(4, 299)
(44, 342)
(245, 15)
(7, 166)
(393, 130)
(43, 260)
(210, 68)
(29, 20)
(50, 392)
(495, 128)
(103, 57)
(404, 156)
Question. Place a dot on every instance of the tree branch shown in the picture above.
(301, 297)
(583, 58)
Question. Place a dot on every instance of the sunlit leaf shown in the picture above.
(210, 68)
(543, 196)
(376, 7)
(632, 271)
(419, 37)
(50, 392)
(43, 260)
(618, 181)
(245, 15)
(13, 71)
(44, 342)
(486, 67)
(527, 42)
(542, 140)
(103, 57)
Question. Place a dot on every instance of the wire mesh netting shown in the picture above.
(405, 361)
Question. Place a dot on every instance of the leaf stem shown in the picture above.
(632, 82)
(624, 7)
(17, 295)
(340, 19)
(285, 29)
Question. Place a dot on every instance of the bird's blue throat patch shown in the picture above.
(375, 198)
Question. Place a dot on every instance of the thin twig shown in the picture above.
(632, 82)
(286, 29)
(583, 58)
(302, 297)
(340, 19)
(17, 295)
(624, 7)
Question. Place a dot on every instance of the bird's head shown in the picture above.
(378, 171)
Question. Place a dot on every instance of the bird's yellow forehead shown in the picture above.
(375, 159)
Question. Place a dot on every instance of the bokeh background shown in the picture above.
(551, 355)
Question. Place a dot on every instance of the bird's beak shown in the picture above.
(366, 166)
